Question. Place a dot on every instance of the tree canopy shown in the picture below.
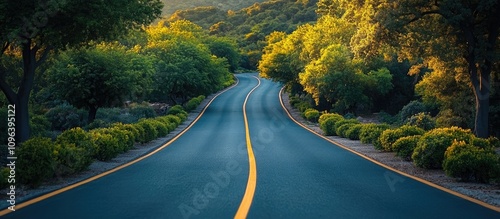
(464, 33)
(102, 75)
(37, 27)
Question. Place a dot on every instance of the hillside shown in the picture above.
(173, 5)
(250, 25)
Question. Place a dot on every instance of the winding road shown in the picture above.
(245, 157)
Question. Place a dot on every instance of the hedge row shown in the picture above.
(75, 149)
(456, 150)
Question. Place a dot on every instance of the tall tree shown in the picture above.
(38, 27)
(427, 28)
(100, 76)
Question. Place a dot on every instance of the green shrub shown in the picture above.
(4, 177)
(150, 132)
(39, 125)
(412, 108)
(108, 116)
(328, 126)
(173, 119)
(107, 145)
(448, 118)
(130, 130)
(35, 161)
(142, 111)
(194, 103)
(325, 116)
(141, 137)
(404, 146)
(123, 137)
(311, 115)
(294, 100)
(80, 139)
(422, 120)
(170, 125)
(98, 123)
(371, 132)
(302, 106)
(160, 127)
(70, 159)
(494, 142)
(387, 118)
(65, 117)
(341, 122)
(430, 149)
(354, 131)
(342, 130)
(471, 163)
(349, 116)
(177, 109)
(388, 137)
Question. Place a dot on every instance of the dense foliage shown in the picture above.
(252, 24)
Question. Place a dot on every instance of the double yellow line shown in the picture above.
(246, 202)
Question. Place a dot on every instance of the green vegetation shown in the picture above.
(86, 89)
(251, 25)
(36, 162)
(405, 146)
(430, 149)
(171, 6)
(31, 30)
(75, 149)
(390, 136)
(471, 163)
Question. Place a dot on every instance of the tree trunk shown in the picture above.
(92, 114)
(24, 91)
(481, 87)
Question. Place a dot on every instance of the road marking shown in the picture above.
(166, 144)
(246, 202)
(479, 202)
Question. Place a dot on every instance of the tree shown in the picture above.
(185, 66)
(465, 31)
(225, 48)
(37, 27)
(337, 78)
(100, 76)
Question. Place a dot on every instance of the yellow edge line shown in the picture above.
(479, 202)
(246, 202)
(59, 191)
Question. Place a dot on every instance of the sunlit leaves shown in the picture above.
(185, 66)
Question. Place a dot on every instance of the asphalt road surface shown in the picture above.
(205, 174)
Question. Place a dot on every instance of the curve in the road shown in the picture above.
(64, 189)
(479, 202)
(252, 172)
(225, 105)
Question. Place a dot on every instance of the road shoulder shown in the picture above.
(483, 192)
(24, 194)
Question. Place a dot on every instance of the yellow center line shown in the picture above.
(246, 202)
(64, 189)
